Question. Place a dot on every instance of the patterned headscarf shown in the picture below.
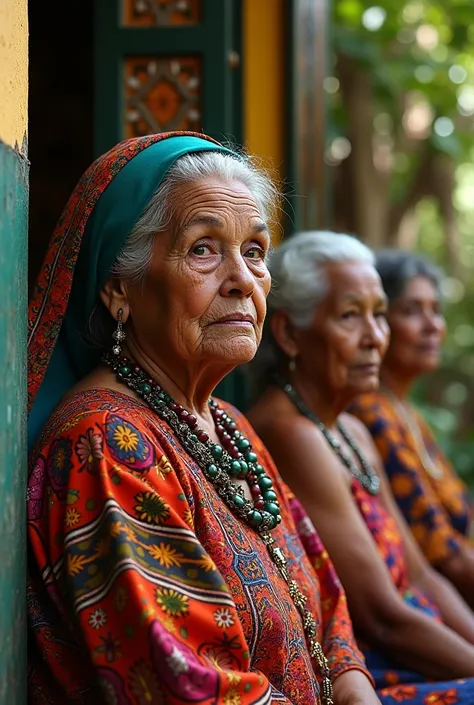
(104, 207)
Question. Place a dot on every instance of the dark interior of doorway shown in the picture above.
(61, 121)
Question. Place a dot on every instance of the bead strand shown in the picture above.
(367, 476)
(235, 458)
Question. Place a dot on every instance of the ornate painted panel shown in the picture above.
(167, 65)
(161, 94)
(160, 13)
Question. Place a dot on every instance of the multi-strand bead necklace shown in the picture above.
(222, 463)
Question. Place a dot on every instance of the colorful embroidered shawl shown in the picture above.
(146, 588)
(437, 509)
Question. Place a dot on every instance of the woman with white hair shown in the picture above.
(329, 331)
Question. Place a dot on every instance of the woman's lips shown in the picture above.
(429, 348)
(236, 319)
(371, 368)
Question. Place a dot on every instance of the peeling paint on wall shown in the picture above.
(14, 73)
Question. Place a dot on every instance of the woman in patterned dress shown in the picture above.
(164, 562)
(329, 332)
(433, 499)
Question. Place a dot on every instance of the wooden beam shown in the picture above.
(307, 48)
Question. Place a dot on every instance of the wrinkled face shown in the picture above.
(344, 347)
(417, 327)
(204, 298)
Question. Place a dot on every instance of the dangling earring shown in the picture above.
(118, 334)
(292, 364)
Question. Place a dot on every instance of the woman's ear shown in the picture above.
(114, 297)
(283, 333)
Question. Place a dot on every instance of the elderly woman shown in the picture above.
(328, 324)
(431, 496)
(165, 565)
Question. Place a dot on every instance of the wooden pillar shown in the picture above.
(13, 302)
(307, 49)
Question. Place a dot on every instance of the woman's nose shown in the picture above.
(238, 279)
(433, 322)
(377, 333)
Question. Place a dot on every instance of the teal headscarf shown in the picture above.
(106, 205)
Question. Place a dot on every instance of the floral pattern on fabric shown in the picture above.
(172, 597)
(458, 692)
(59, 464)
(436, 509)
(394, 685)
(127, 445)
(89, 451)
(385, 533)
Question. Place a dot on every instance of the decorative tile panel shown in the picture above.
(161, 13)
(162, 94)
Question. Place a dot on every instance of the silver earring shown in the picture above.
(119, 334)
(292, 364)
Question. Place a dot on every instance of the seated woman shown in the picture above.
(433, 499)
(329, 332)
(165, 565)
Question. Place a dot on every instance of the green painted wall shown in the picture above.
(13, 316)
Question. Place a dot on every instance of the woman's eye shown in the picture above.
(201, 250)
(255, 253)
(381, 314)
(348, 314)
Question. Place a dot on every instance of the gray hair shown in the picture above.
(134, 258)
(397, 267)
(299, 282)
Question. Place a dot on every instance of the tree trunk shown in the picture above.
(421, 185)
(443, 187)
(369, 187)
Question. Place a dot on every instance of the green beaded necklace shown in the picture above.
(220, 463)
(233, 459)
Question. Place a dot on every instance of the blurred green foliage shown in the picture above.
(422, 47)
(420, 56)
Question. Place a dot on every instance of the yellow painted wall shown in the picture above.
(14, 72)
(263, 54)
